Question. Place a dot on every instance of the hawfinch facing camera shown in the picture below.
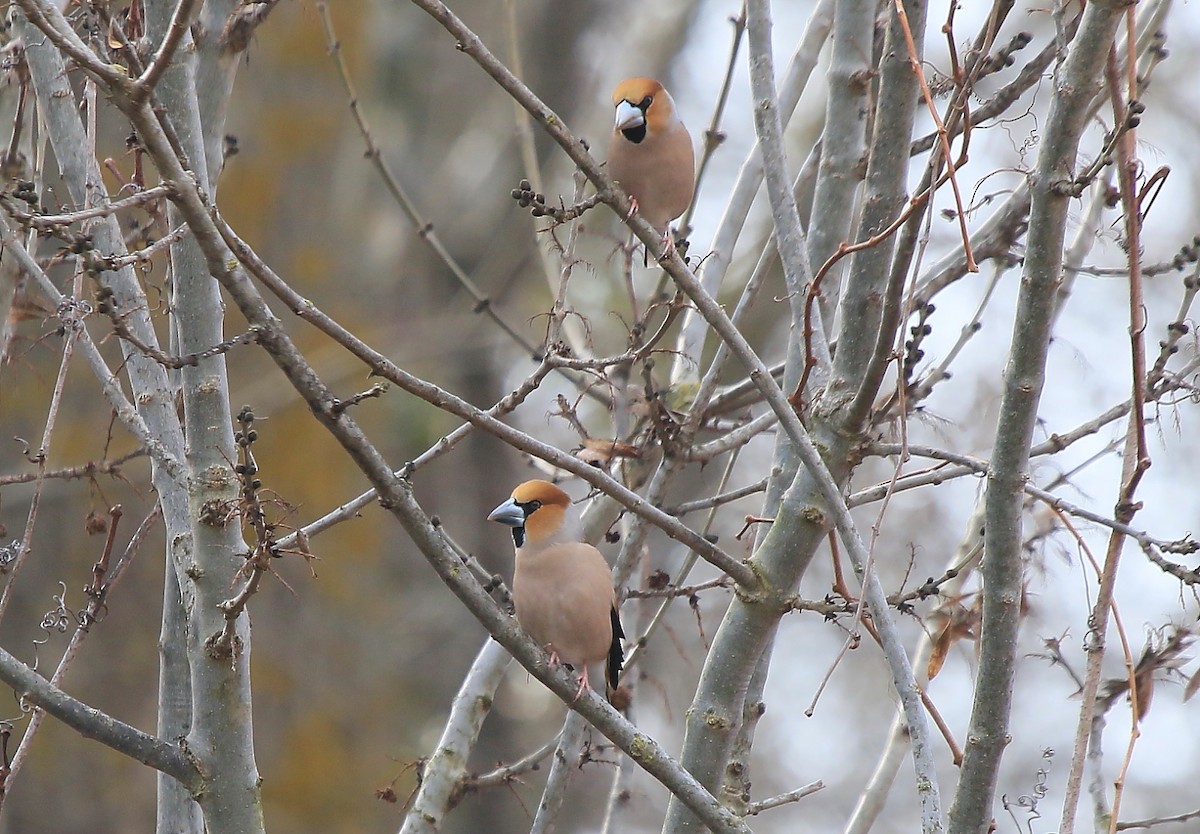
(651, 154)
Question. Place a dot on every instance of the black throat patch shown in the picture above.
(635, 134)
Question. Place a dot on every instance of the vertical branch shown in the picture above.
(218, 651)
(843, 140)
(57, 106)
(870, 283)
(1135, 461)
(768, 126)
(564, 762)
(793, 250)
(446, 766)
(1052, 188)
(222, 36)
(889, 339)
(694, 332)
(1127, 171)
(874, 796)
(713, 137)
(174, 35)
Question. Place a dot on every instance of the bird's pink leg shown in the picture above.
(668, 240)
(583, 682)
(555, 661)
(633, 208)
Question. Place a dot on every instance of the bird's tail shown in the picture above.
(616, 654)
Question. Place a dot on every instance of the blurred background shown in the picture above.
(357, 652)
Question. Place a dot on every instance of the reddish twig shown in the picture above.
(796, 398)
(1135, 459)
(943, 139)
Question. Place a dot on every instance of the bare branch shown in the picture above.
(1156, 821)
(384, 367)
(424, 228)
(784, 798)
(163, 756)
(176, 30)
(445, 769)
(1024, 377)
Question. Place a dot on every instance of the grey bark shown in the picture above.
(1050, 189)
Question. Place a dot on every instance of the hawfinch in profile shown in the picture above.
(650, 154)
(562, 588)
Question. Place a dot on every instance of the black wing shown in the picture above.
(616, 655)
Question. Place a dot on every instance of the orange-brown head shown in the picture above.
(644, 108)
(536, 511)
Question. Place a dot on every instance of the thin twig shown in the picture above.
(87, 470)
(106, 306)
(1152, 822)
(784, 798)
(425, 230)
(1134, 461)
(713, 136)
(673, 591)
(1127, 172)
(718, 499)
(507, 773)
(70, 313)
(915, 61)
(106, 575)
(50, 222)
(384, 367)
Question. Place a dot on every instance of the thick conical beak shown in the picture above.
(629, 116)
(509, 513)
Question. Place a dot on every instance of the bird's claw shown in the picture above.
(668, 242)
(583, 684)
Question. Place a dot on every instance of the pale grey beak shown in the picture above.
(509, 513)
(629, 116)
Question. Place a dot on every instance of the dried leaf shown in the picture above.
(599, 450)
(957, 623)
(941, 648)
(1193, 684)
(1143, 680)
(26, 307)
(1111, 689)
(1145, 693)
(95, 523)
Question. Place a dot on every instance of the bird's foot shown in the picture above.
(668, 242)
(633, 208)
(555, 662)
(583, 684)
